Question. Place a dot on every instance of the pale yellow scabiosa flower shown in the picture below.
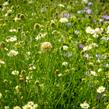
(45, 46)
(30, 105)
(65, 64)
(101, 89)
(65, 47)
(63, 20)
(16, 107)
(84, 105)
(12, 53)
(93, 73)
(6, 107)
(15, 72)
(90, 30)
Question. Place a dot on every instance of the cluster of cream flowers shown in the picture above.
(95, 32)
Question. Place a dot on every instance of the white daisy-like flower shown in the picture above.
(12, 53)
(63, 20)
(84, 105)
(101, 89)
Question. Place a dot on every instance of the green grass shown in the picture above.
(50, 84)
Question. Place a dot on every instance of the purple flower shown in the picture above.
(80, 46)
(67, 15)
(106, 17)
(89, 11)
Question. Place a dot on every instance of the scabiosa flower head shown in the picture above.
(98, 30)
(66, 15)
(88, 11)
(84, 105)
(90, 30)
(65, 47)
(12, 53)
(80, 46)
(30, 105)
(16, 107)
(46, 46)
(63, 20)
(106, 17)
(65, 64)
(101, 89)
(93, 73)
(15, 72)
(6, 107)
(26, 106)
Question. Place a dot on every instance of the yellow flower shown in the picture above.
(101, 89)
(63, 20)
(84, 105)
(46, 46)
(16, 107)
(12, 53)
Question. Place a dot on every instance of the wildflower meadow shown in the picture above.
(54, 54)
